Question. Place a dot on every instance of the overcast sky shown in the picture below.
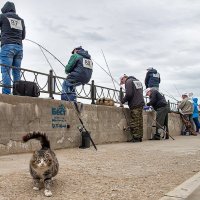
(134, 35)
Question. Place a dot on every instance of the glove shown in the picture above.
(146, 107)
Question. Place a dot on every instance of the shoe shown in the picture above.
(167, 137)
(135, 140)
(156, 137)
(194, 133)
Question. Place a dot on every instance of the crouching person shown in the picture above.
(79, 70)
(134, 97)
(159, 104)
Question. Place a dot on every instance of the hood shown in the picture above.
(195, 100)
(8, 7)
(84, 53)
(154, 71)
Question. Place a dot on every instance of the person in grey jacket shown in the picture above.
(12, 34)
(134, 97)
(186, 109)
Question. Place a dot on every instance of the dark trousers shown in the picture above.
(162, 118)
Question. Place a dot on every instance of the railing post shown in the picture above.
(50, 84)
(169, 105)
(93, 92)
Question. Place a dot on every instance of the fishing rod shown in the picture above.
(108, 69)
(83, 130)
(116, 89)
(46, 51)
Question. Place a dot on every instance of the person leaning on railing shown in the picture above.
(134, 97)
(12, 34)
(159, 104)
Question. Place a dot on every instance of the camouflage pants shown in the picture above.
(136, 122)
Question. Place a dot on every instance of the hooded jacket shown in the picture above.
(195, 106)
(134, 93)
(156, 100)
(79, 67)
(12, 26)
(152, 78)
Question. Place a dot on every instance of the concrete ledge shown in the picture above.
(184, 190)
(21, 115)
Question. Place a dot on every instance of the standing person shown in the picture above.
(79, 70)
(134, 97)
(195, 114)
(159, 104)
(152, 79)
(186, 110)
(12, 34)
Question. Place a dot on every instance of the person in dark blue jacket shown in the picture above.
(195, 114)
(152, 79)
(12, 34)
(79, 70)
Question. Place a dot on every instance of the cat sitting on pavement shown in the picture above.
(43, 164)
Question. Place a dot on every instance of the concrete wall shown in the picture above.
(21, 115)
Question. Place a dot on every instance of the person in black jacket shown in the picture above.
(134, 97)
(12, 34)
(152, 79)
(159, 104)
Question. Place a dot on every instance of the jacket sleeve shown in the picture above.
(129, 91)
(181, 105)
(146, 80)
(1, 20)
(71, 63)
(23, 32)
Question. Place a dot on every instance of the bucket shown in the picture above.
(85, 140)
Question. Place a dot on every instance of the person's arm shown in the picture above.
(181, 105)
(0, 20)
(129, 91)
(23, 31)
(146, 80)
(72, 62)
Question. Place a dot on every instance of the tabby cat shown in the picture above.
(43, 164)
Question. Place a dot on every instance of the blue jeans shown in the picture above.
(11, 55)
(69, 91)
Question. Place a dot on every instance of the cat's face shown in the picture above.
(41, 159)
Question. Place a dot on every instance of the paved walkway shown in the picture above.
(121, 171)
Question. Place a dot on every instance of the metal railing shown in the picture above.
(52, 85)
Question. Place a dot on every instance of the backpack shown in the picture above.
(26, 88)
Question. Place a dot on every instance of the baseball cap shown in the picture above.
(77, 48)
(149, 68)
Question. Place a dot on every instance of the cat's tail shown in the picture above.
(38, 136)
